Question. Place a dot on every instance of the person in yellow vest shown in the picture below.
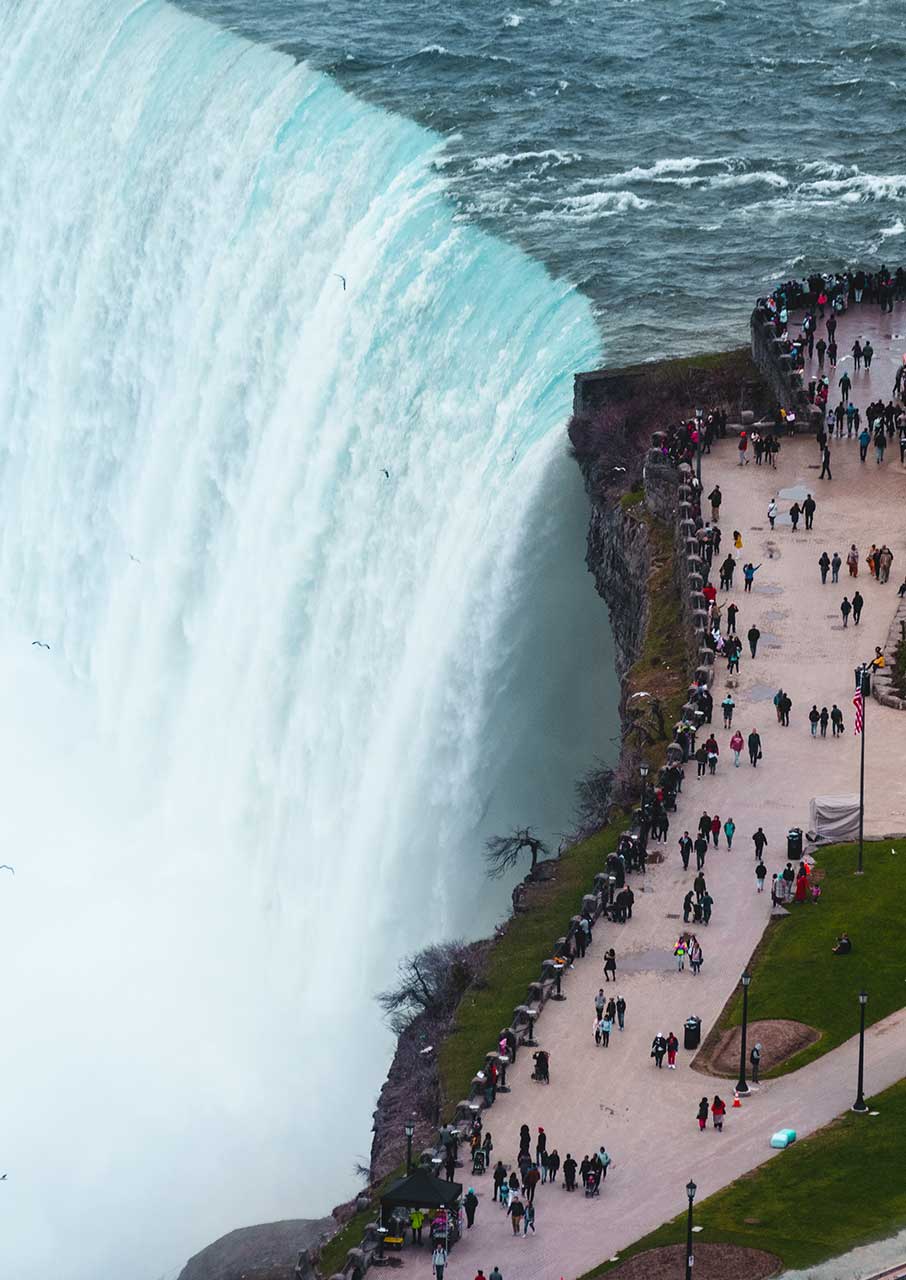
(416, 1222)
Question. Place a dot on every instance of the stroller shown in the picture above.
(593, 1182)
(479, 1160)
(542, 1067)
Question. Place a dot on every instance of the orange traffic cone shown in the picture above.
(736, 1102)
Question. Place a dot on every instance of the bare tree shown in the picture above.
(502, 852)
(594, 792)
(430, 982)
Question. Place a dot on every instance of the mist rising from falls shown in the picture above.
(287, 695)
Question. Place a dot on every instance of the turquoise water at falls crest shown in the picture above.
(287, 695)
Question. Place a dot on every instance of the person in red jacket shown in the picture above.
(718, 1111)
(715, 829)
(672, 1046)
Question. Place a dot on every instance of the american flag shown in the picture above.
(857, 703)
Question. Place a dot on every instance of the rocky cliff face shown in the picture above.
(618, 555)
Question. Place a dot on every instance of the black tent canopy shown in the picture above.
(421, 1190)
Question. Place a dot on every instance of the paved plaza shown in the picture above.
(615, 1096)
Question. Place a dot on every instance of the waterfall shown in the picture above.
(307, 552)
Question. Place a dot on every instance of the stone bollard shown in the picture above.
(696, 582)
(674, 753)
(590, 902)
(706, 656)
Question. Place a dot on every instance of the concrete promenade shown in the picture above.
(615, 1096)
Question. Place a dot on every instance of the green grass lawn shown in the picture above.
(515, 961)
(796, 976)
(841, 1188)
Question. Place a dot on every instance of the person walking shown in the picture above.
(606, 1026)
(687, 912)
(658, 1049)
(813, 719)
(499, 1177)
(858, 602)
(836, 717)
(569, 1172)
(495, 1274)
(702, 1114)
(761, 872)
(867, 353)
(620, 1009)
(470, 1204)
(772, 511)
(742, 448)
(715, 497)
(715, 829)
(707, 904)
(836, 562)
(528, 1218)
(515, 1213)
(727, 706)
(852, 561)
(821, 349)
(695, 954)
(822, 721)
(754, 744)
(439, 1261)
(846, 609)
(857, 354)
(729, 832)
(718, 1111)
(732, 611)
(701, 848)
(808, 510)
(786, 706)
(685, 848)
(553, 1165)
(679, 951)
(845, 384)
(795, 513)
(760, 840)
(672, 1045)
(600, 1002)
(736, 745)
(825, 463)
(753, 636)
(610, 965)
(864, 442)
(824, 565)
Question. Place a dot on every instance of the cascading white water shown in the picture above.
(308, 558)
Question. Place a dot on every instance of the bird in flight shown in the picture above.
(135, 558)
(386, 472)
(339, 277)
(4, 866)
(40, 644)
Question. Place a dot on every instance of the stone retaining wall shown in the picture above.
(776, 365)
(882, 686)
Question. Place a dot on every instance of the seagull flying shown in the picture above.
(386, 472)
(135, 558)
(337, 275)
(4, 866)
(40, 644)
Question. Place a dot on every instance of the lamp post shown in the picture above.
(741, 1086)
(643, 770)
(558, 974)
(860, 1104)
(410, 1133)
(691, 1189)
(504, 1061)
(863, 688)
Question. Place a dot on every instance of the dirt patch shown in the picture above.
(712, 1262)
(780, 1039)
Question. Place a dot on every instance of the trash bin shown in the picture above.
(794, 844)
(692, 1033)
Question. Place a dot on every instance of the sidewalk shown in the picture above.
(615, 1096)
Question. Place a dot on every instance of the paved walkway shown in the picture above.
(645, 1117)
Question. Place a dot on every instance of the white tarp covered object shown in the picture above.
(834, 818)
